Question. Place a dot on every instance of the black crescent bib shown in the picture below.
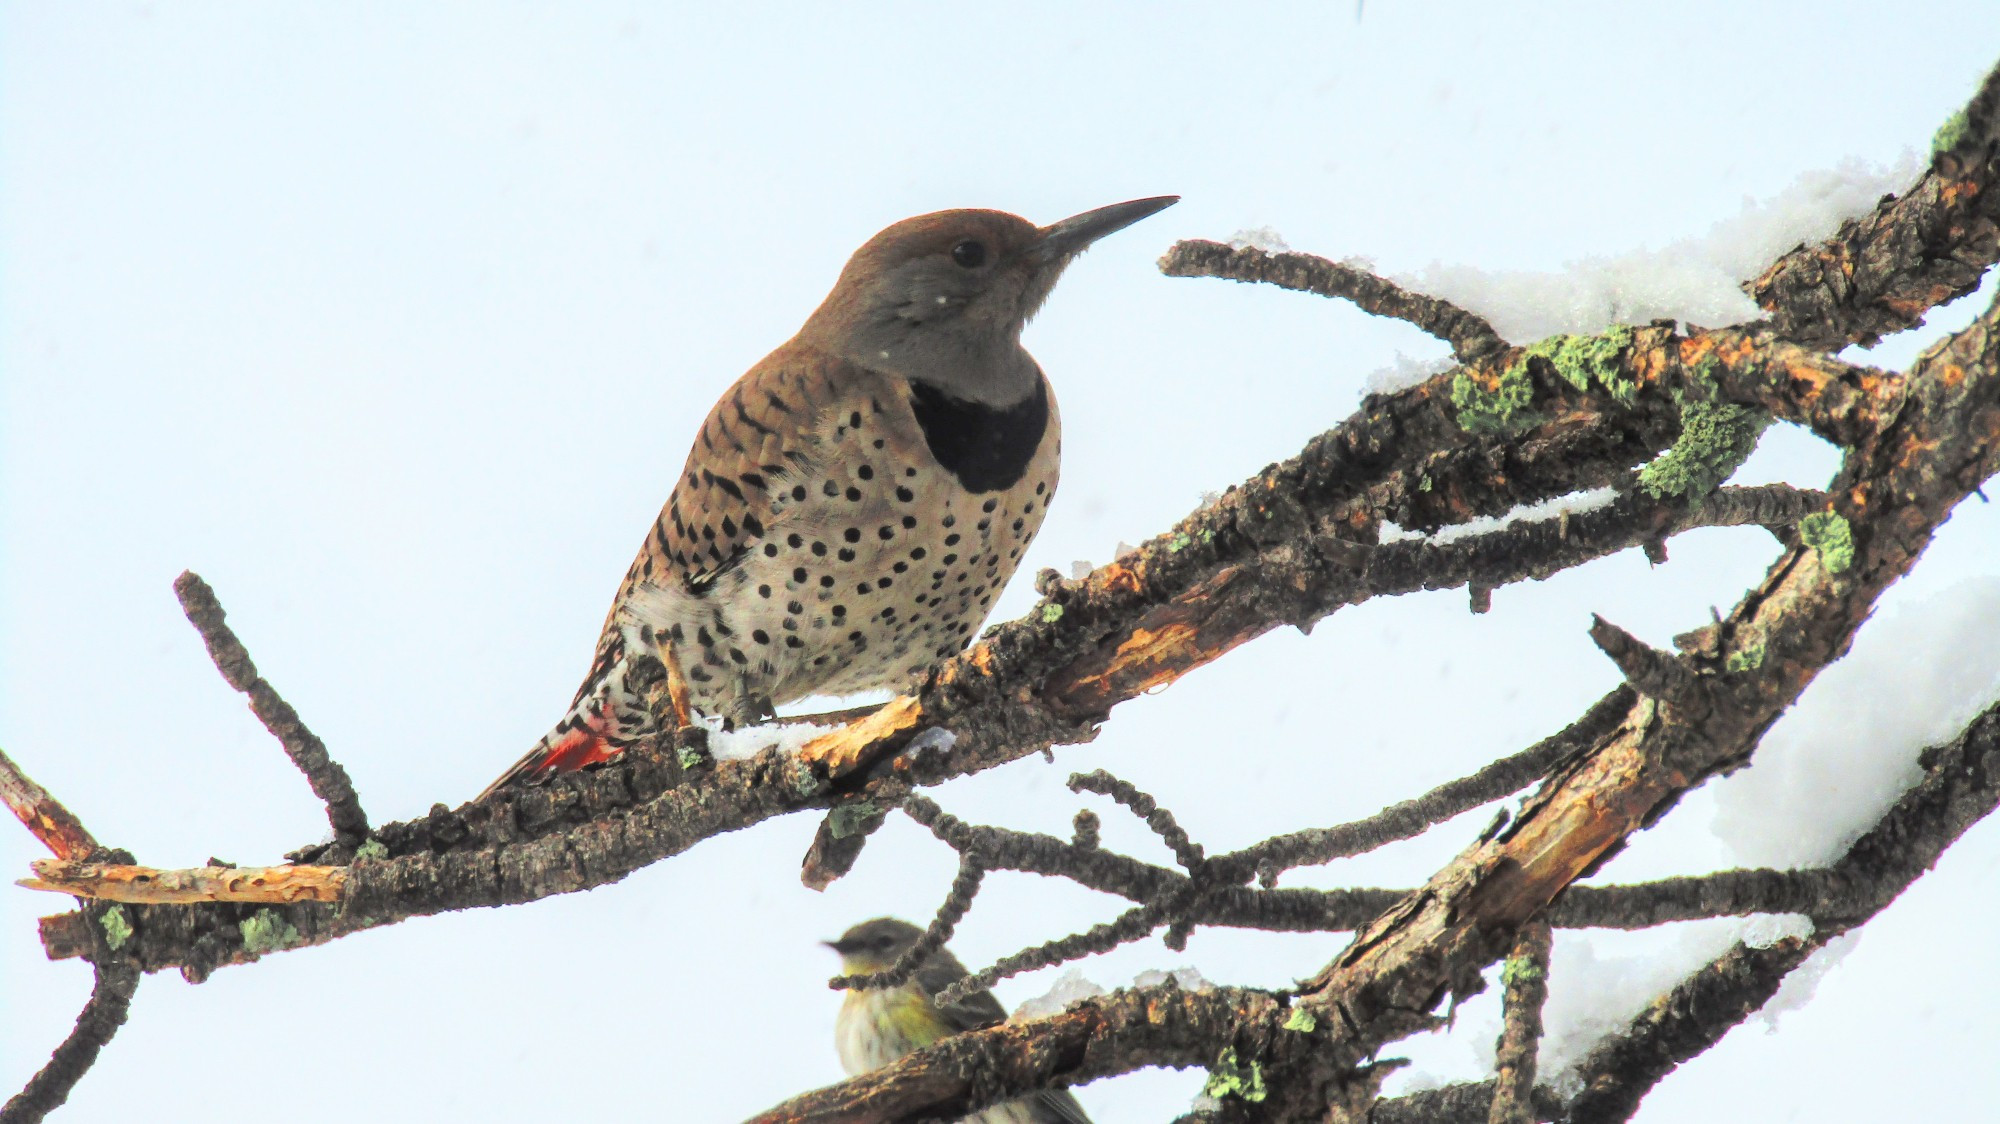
(985, 447)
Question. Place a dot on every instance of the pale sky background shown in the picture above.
(394, 321)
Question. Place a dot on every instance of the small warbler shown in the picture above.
(879, 1025)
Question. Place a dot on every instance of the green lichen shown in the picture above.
(267, 931)
(1502, 410)
(804, 783)
(1704, 380)
(374, 850)
(1583, 362)
(692, 758)
(1178, 543)
(117, 927)
(1828, 533)
(1051, 613)
(1716, 438)
(1229, 1078)
(852, 819)
(1948, 134)
(1519, 970)
(1749, 657)
(1301, 1020)
(1587, 361)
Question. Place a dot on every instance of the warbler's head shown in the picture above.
(874, 946)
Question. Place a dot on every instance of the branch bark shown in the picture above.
(328, 780)
(43, 815)
(1526, 983)
(110, 1001)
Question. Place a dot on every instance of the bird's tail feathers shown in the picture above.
(609, 714)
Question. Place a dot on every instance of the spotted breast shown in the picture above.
(842, 555)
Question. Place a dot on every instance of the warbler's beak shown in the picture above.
(841, 947)
(1066, 239)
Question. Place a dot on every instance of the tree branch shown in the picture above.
(43, 815)
(1470, 336)
(1881, 273)
(102, 1015)
(1094, 1038)
(328, 780)
(1525, 981)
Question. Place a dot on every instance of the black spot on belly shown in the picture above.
(986, 448)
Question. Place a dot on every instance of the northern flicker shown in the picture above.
(852, 505)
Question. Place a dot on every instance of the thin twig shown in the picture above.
(1186, 851)
(42, 814)
(959, 899)
(328, 780)
(1414, 817)
(102, 1015)
(1134, 924)
(1470, 336)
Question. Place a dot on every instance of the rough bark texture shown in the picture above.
(43, 815)
(1526, 980)
(110, 1000)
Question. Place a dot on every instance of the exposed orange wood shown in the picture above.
(121, 883)
(42, 814)
(856, 744)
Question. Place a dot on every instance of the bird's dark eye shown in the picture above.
(969, 254)
(883, 943)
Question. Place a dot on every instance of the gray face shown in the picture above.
(873, 946)
(941, 298)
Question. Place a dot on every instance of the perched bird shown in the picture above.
(877, 1026)
(853, 504)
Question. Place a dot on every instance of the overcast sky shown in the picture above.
(394, 322)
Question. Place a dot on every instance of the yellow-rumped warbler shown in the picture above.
(878, 1026)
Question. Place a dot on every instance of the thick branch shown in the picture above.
(328, 780)
(1095, 1038)
(1880, 273)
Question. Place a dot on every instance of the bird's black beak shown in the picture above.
(842, 947)
(1063, 240)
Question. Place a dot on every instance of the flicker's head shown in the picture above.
(942, 298)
